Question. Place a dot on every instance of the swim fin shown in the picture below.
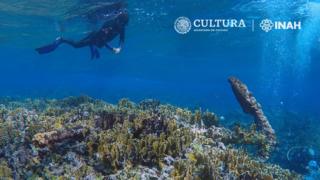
(50, 47)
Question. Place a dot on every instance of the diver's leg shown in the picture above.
(78, 44)
(51, 47)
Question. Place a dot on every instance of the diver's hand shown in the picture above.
(116, 50)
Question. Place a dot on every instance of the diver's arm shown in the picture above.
(109, 47)
(114, 50)
(121, 43)
(122, 37)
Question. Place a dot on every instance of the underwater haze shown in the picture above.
(191, 70)
(281, 68)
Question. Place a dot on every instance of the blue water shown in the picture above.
(281, 68)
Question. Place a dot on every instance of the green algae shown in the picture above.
(5, 171)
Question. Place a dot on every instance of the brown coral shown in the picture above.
(250, 105)
(52, 137)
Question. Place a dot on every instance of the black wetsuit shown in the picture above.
(107, 33)
(111, 29)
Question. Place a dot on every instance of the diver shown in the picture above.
(110, 30)
(313, 171)
(303, 160)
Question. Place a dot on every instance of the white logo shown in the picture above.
(182, 25)
(266, 25)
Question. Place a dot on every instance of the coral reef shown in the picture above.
(250, 105)
(84, 138)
